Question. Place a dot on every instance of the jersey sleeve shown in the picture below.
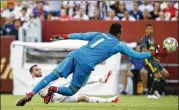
(83, 36)
(143, 43)
(124, 49)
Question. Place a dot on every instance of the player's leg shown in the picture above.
(94, 80)
(153, 67)
(162, 82)
(164, 73)
(79, 79)
(61, 98)
(125, 75)
(77, 98)
(144, 77)
(62, 70)
(155, 83)
(100, 100)
(66, 91)
(102, 79)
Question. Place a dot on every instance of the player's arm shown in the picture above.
(124, 49)
(143, 45)
(80, 36)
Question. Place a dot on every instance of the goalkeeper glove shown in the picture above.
(159, 52)
(59, 37)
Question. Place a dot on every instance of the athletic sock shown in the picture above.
(67, 91)
(145, 90)
(45, 81)
(94, 80)
(97, 100)
(154, 86)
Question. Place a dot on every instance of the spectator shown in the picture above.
(128, 5)
(137, 14)
(91, 7)
(23, 16)
(51, 17)
(146, 5)
(170, 10)
(7, 13)
(104, 7)
(146, 15)
(42, 17)
(120, 10)
(155, 13)
(39, 10)
(176, 16)
(63, 15)
(161, 16)
(111, 16)
(69, 6)
(128, 17)
(96, 16)
(17, 8)
(176, 5)
(80, 15)
(163, 5)
(2, 6)
(17, 24)
(8, 27)
(55, 7)
(19, 5)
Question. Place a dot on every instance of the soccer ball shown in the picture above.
(170, 44)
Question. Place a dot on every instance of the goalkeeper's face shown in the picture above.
(37, 72)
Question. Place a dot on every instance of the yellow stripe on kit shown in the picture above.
(150, 65)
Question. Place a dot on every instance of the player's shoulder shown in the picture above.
(144, 38)
(92, 33)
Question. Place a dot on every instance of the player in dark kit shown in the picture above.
(152, 64)
(81, 62)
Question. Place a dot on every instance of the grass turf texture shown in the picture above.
(125, 103)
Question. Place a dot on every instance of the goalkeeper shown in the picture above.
(81, 62)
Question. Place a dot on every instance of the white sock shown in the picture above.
(97, 100)
(94, 80)
(145, 89)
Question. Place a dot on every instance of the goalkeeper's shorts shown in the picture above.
(70, 65)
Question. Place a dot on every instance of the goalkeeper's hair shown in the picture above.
(115, 29)
(31, 68)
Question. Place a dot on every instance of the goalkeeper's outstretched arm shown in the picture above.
(80, 36)
(124, 49)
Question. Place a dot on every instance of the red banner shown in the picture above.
(6, 71)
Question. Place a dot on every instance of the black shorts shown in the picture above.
(152, 66)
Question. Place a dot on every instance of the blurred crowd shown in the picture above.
(16, 13)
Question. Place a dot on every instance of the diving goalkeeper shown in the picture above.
(81, 62)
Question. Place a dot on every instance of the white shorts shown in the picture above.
(61, 98)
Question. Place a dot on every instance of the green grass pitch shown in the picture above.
(125, 103)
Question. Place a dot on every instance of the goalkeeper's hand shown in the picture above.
(159, 52)
(58, 37)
